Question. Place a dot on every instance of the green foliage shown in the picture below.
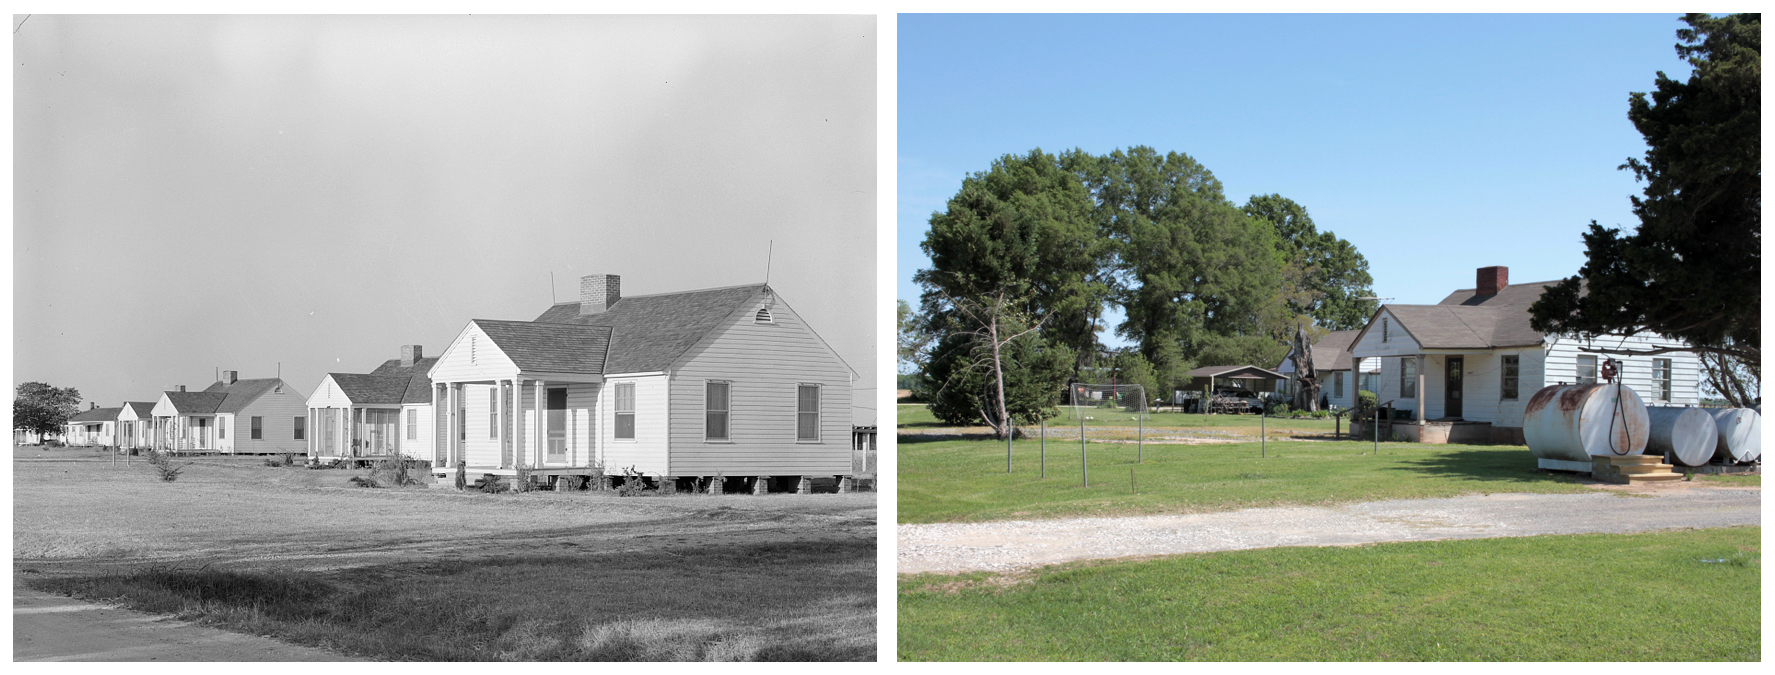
(1241, 350)
(1132, 368)
(1329, 273)
(911, 338)
(1692, 269)
(42, 409)
(1367, 400)
(163, 466)
(963, 387)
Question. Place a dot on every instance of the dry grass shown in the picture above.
(425, 574)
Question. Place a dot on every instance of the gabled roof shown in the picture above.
(241, 393)
(95, 415)
(652, 331)
(195, 402)
(1331, 352)
(394, 367)
(141, 408)
(551, 347)
(1466, 320)
(372, 389)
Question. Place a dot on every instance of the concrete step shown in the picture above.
(1643, 468)
(1619, 460)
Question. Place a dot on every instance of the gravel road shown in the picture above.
(1011, 545)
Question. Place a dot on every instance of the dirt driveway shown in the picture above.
(1011, 545)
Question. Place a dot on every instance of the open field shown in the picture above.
(426, 574)
(965, 481)
(913, 417)
(1670, 596)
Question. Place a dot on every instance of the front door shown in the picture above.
(557, 426)
(1451, 391)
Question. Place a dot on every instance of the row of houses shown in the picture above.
(723, 381)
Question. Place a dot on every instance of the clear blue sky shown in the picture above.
(1437, 144)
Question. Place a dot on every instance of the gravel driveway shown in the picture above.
(1011, 545)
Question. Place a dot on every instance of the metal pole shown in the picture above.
(1377, 430)
(1140, 443)
(1263, 434)
(1010, 430)
(1044, 447)
(1084, 456)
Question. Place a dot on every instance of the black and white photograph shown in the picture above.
(445, 338)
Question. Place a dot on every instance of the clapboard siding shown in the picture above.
(764, 364)
(472, 356)
(479, 448)
(279, 410)
(419, 445)
(648, 450)
(1398, 342)
(1636, 371)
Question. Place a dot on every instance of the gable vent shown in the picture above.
(1384, 335)
(764, 316)
(471, 350)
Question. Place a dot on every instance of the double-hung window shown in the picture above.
(301, 428)
(807, 412)
(1337, 385)
(1512, 371)
(412, 424)
(493, 410)
(1586, 369)
(625, 410)
(221, 427)
(715, 411)
(1661, 378)
(1408, 377)
(258, 428)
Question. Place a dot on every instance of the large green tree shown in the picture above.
(40, 408)
(1692, 269)
(1326, 274)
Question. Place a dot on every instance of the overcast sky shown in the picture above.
(194, 193)
(1437, 144)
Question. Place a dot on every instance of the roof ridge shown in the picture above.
(655, 295)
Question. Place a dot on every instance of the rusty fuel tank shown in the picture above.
(1566, 424)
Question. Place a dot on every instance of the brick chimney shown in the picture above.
(411, 354)
(1492, 279)
(597, 292)
(230, 376)
(181, 389)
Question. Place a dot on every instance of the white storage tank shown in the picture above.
(1566, 424)
(1740, 434)
(1687, 435)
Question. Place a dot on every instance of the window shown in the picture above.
(1661, 377)
(301, 428)
(221, 427)
(807, 412)
(493, 396)
(1384, 335)
(258, 428)
(715, 411)
(625, 410)
(557, 424)
(1512, 370)
(1408, 377)
(1337, 385)
(412, 424)
(1586, 369)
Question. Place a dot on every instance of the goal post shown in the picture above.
(1083, 402)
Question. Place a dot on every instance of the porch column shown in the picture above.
(1421, 363)
(539, 403)
(452, 438)
(516, 424)
(438, 459)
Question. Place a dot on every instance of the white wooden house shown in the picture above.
(717, 382)
(94, 426)
(1338, 379)
(380, 414)
(232, 416)
(135, 424)
(1470, 363)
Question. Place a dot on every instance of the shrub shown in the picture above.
(1367, 400)
(521, 478)
(1279, 409)
(632, 483)
(461, 475)
(162, 464)
(394, 472)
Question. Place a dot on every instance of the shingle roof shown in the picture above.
(372, 389)
(96, 415)
(1511, 303)
(1330, 352)
(551, 347)
(241, 393)
(652, 331)
(142, 408)
(418, 388)
(1466, 320)
(196, 402)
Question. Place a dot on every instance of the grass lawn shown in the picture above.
(956, 481)
(918, 416)
(1603, 597)
(1734, 480)
(422, 574)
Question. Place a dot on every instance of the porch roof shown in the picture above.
(1236, 373)
(551, 347)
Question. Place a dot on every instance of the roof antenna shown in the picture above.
(551, 287)
(769, 249)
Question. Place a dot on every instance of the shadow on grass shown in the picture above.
(776, 601)
(1511, 464)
